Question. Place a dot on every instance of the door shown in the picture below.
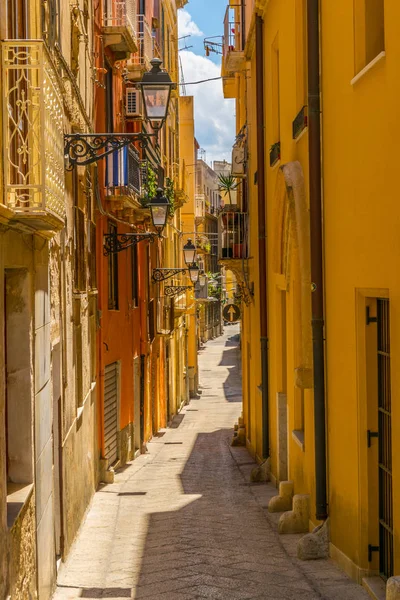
(111, 413)
(136, 403)
(57, 435)
(385, 442)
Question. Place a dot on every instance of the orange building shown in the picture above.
(140, 336)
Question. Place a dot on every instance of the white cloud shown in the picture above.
(186, 26)
(214, 116)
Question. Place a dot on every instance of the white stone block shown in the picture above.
(296, 520)
(282, 502)
(393, 588)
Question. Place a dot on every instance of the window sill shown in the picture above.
(17, 496)
(368, 68)
(301, 135)
(298, 436)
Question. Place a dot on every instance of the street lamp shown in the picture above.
(189, 252)
(159, 207)
(156, 86)
(202, 279)
(194, 273)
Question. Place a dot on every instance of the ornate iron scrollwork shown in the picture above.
(162, 274)
(116, 242)
(174, 290)
(86, 148)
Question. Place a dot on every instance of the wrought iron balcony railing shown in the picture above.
(232, 46)
(123, 173)
(233, 239)
(119, 27)
(140, 61)
(32, 134)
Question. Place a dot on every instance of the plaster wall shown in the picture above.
(284, 96)
(362, 247)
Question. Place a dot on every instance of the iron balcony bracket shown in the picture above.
(82, 149)
(162, 274)
(116, 242)
(372, 549)
(370, 435)
(174, 290)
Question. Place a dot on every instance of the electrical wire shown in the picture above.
(201, 81)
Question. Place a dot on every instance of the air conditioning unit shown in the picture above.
(133, 107)
(238, 162)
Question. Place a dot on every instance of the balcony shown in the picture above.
(139, 63)
(200, 207)
(232, 46)
(33, 137)
(119, 27)
(123, 182)
(233, 228)
(179, 179)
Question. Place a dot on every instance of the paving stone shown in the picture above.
(199, 530)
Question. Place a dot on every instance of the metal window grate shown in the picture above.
(385, 442)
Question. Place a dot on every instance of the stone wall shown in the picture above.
(22, 559)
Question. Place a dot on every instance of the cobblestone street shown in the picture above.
(183, 522)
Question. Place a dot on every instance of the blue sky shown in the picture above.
(214, 116)
(209, 17)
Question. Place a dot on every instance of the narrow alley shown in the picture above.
(183, 522)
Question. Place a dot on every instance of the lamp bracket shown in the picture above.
(174, 290)
(82, 149)
(163, 273)
(116, 242)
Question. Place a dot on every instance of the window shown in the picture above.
(109, 100)
(152, 331)
(369, 31)
(301, 54)
(135, 283)
(18, 401)
(78, 351)
(78, 188)
(275, 91)
(91, 234)
(17, 25)
(113, 303)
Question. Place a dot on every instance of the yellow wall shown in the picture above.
(362, 246)
(360, 122)
(284, 96)
(187, 154)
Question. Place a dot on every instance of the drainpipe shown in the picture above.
(314, 125)
(262, 233)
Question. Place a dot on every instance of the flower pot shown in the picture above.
(237, 251)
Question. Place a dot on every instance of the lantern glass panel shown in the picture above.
(156, 101)
(194, 274)
(159, 215)
(189, 252)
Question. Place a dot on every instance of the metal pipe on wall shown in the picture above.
(318, 317)
(262, 231)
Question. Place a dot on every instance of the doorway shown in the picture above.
(57, 448)
(384, 441)
(379, 437)
(138, 435)
(111, 413)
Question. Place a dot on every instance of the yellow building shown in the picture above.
(321, 406)
(264, 36)
(187, 150)
(359, 97)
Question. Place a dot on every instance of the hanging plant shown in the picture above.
(170, 194)
(150, 186)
